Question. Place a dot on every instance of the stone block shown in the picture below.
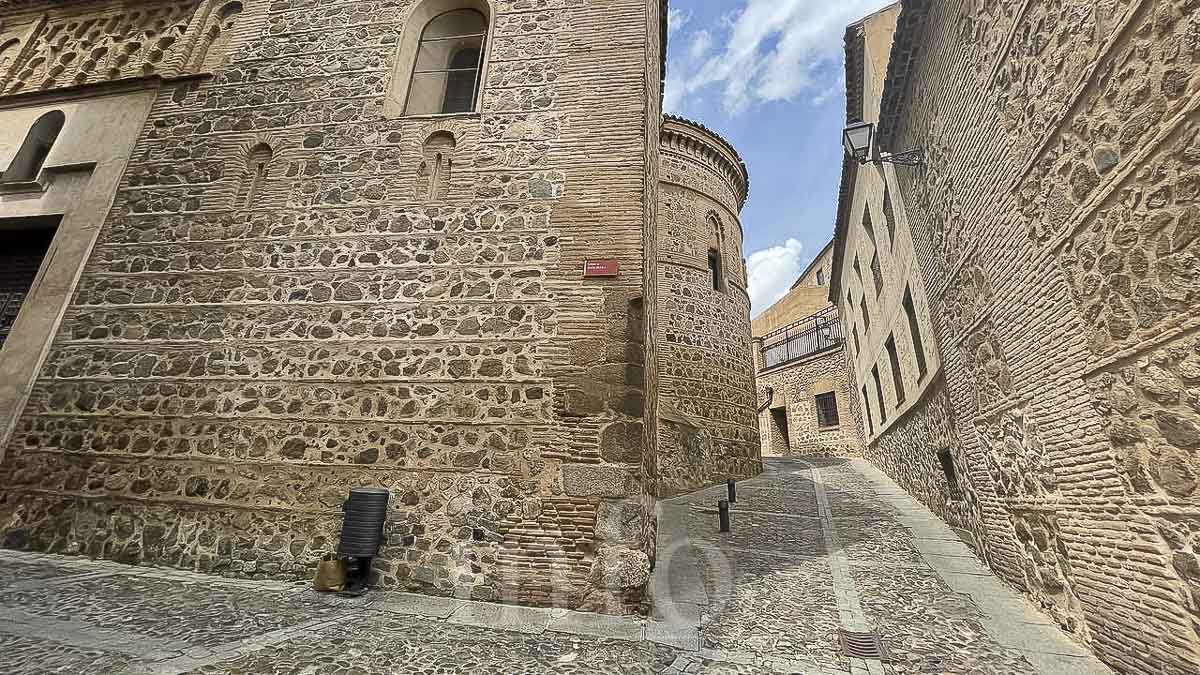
(621, 442)
(592, 480)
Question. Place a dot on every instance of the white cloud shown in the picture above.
(771, 272)
(701, 43)
(676, 19)
(772, 50)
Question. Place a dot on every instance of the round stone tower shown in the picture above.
(708, 429)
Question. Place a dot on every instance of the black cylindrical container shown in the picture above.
(362, 527)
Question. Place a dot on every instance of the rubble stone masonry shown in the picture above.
(707, 426)
(299, 290)
(1055, 221)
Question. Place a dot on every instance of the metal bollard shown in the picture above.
(723, 514)
(732, 485)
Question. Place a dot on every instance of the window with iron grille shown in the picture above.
(915, 329)
(827, 410)
(877, 273)
(894, 362)
(866, 403)
(20, 260)
(879, 394)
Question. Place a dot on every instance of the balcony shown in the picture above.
(811, 335)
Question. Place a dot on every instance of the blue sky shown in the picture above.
(768, 76)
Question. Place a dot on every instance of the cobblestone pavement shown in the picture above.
(814, 548)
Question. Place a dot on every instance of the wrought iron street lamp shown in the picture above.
(858, 138)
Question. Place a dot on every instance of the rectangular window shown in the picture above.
(857, 344)
(827, 411)
(915, 329)
(879, 394)
(894, 361)
(714, 267)
(889, 216)
(947, 462)
(869, 227)
(866, 402)
(877, 273)
(20, 260)
(858, 271)
(820, 277)
(866, 317)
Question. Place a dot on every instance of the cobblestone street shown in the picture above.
(815, 547)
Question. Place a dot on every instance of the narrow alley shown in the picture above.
(814, 547)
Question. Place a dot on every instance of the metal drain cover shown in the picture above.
(862, 645)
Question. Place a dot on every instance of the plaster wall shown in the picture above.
(77, 184)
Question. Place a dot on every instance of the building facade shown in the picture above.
(807, 402)
(269, 252)
(708, 432)
(1048, 244)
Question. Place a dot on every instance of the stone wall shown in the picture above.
(297, 292)
(1056, 221)
(707, 426)
(794, 386)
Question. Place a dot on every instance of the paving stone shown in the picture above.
(530, 620)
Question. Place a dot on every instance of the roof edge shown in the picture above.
(735, 158)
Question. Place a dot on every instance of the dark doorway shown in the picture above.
(23, 245)
(780, 441)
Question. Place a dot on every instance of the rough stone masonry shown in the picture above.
(270, 282)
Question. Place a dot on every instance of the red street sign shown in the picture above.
(601, 268)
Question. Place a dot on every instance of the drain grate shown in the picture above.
(862, 645)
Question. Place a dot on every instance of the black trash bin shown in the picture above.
(362, 533)
(362, 526)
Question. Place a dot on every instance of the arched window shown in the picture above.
(27, 163)
(258, 167)
(437, 164)
(445, 77)
(211, 52)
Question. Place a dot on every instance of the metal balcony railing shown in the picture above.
(811, 335)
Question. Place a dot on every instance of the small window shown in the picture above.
(866, 316)
(820, 277)
(858, 271)
(946, 459)
(894, 361)
(857, 343)
(877, 274)
(258, 169)
(445, 77)
(866, 402)
(915, 329)
(879, 394)
(714, 268)
(27, 163)
(827, 410)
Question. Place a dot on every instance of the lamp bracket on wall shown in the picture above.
(858, 140)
